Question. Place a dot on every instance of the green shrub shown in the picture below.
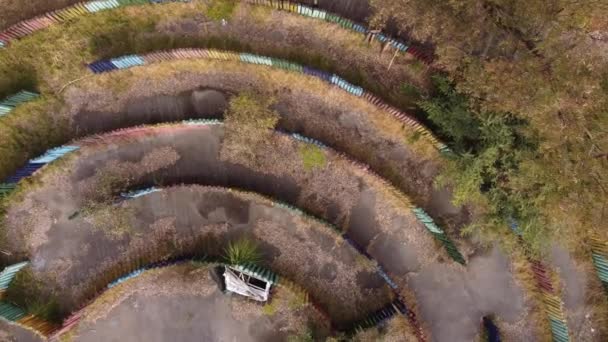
(17, 77)
(490, 149)
(413, 138)
(243, 251)
(450, 112)
(114, 221)
(410, 90)
(417, 65)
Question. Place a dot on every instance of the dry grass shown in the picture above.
(272, 81)
(343, 296)
(46, 51)
(115, 176)
(55, 54)
(596, 304)
(68, 336)
(249, 122)
(221, 9)
(397, 330)
(114, 221)
(58, 64)
(16, 10)
(524, 276)
(237, 76)
(33, 226)
(29, 130)
(291, 304)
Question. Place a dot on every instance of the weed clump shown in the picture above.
(221, 9)
(269, 309)
(249, 121)
(114, 220)
(305, 336)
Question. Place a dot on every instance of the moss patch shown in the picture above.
(269, 309)
(312, 157)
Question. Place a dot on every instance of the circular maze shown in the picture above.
(153, 152)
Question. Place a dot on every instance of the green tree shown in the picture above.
(542, 62)
(489, 150)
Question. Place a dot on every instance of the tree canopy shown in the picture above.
(524, 101)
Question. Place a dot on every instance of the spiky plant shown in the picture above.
(243, 251)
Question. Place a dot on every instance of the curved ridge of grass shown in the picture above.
(60, 49)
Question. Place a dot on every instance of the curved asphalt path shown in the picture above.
(347, 123)
(183, 303)
(338, 193)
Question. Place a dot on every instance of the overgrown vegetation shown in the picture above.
(17, 145)
(49, 59)
(270, 308)
(243, 251)
(533, 69)
(298, 295)
(62, 49)
(108, 183)
(305, 336)
(248, 122)
(221, 9)
(312, 157)
(30, 293)
(290, 296)
(489, 151)
(396, 328)
(113, 220)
